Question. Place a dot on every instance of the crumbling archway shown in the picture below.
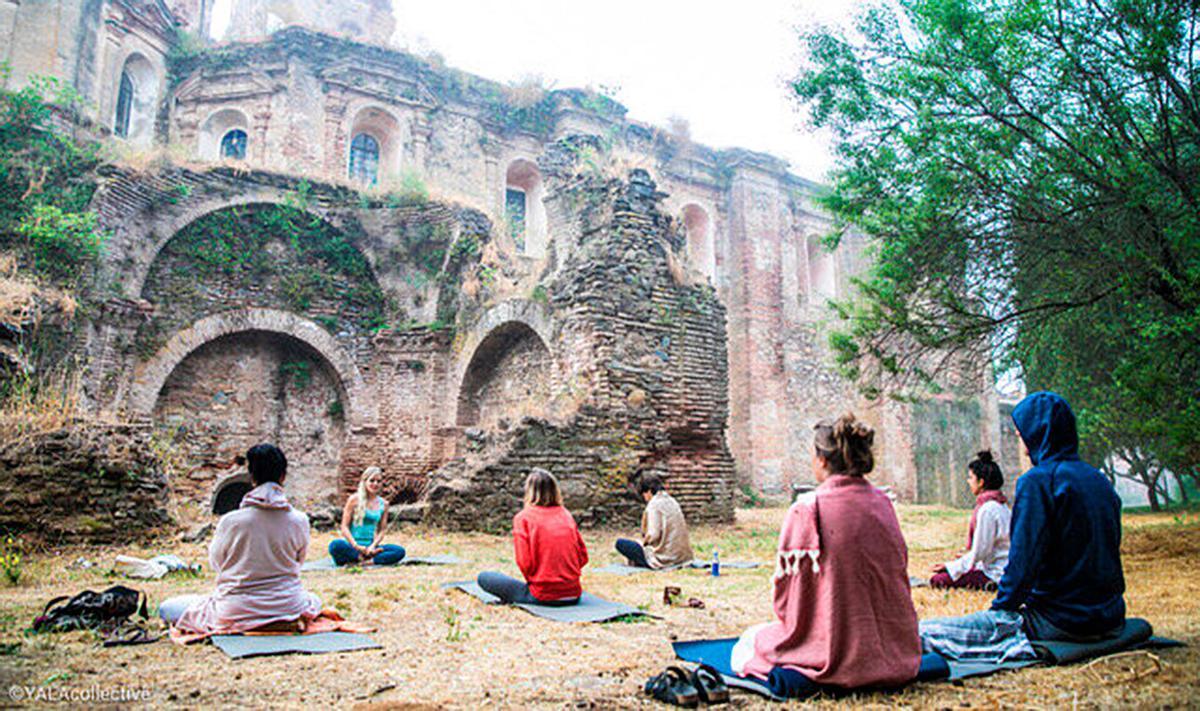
(360, 409)
(510, 375)
(235, 379)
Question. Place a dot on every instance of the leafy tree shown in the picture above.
(1029, 171)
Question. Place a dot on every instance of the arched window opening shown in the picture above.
(124, 106)
(224, 135)
(514, 210)
(364, 159)
(700, 249)
(822, 272)
(523, 209)
(233, 145)
(136, 100)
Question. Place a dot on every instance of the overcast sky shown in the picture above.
(722, 66)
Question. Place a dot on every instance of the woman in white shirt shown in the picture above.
(982, 566)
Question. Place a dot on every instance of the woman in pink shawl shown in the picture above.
(842, 598)
(256, 553)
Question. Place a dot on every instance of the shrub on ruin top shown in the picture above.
(63, 246)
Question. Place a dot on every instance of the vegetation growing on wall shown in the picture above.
(49, 246)
(46, 181)
(266, 255)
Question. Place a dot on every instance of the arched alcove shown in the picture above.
(510, 375)
(267, 256)
(252, 386)
(524, 211)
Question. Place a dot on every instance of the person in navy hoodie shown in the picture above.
(1064, 579)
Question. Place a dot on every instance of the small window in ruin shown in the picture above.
(364, 159)
(124, 106)
(233, 145)
(514, 210)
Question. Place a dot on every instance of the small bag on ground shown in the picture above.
(92, 610)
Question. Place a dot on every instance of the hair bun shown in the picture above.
(985, 456)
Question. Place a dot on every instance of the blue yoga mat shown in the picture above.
(239, 646)
(589, 608)
(1137, 634)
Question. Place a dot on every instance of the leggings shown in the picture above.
(511, 590)
(344, 554)
(633, 551)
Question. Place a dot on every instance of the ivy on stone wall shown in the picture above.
(46, 181)
(268, 256)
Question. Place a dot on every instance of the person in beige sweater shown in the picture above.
(665, 542)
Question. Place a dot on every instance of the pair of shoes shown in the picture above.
(670, 593)
(677, 686)
(709, 685)
(673, 687)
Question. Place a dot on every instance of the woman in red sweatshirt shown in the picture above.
(550, 552)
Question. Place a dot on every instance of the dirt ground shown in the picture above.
(443, 649)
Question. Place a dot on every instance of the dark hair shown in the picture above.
(987, 470)
(845, 444)
(650, 482)
(266, 463)
(541, 489)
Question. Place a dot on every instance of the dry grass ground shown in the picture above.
(444, 649)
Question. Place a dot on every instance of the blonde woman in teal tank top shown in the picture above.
(364, 522)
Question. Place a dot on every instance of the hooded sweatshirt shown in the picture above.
(1064, 562)
(256, 553)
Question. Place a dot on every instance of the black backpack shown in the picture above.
(92, 610)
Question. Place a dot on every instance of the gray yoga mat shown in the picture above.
(962, 670)
(589, 608)
(239, 646)
(328, 564)
(1136, 634)
(623, 569)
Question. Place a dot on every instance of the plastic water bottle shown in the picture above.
(716, 563)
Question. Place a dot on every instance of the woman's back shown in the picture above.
(848, 620)
(256, 553)
(550, 552)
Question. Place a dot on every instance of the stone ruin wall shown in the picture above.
(210, 354)
(742, 223)
(650, 377)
